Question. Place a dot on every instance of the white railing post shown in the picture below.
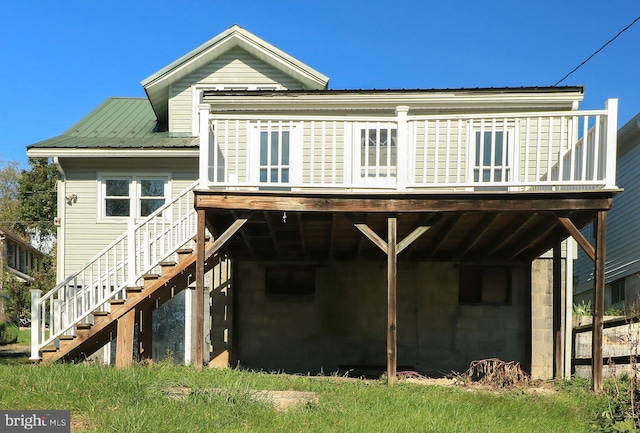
(403, 165)
(35, 324)
(612, 143)
(203, 110)
(131, 252)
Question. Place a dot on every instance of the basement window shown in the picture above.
(617, 291)
(484, 286)
(294, 282)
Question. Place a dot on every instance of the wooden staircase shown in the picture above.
(140, 302)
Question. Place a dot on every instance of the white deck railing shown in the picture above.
(564, 150)
(120, 265)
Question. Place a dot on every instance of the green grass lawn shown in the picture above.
(140, 399)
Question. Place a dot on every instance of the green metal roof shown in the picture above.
(118, 123)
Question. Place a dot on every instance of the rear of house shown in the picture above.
(345, 230)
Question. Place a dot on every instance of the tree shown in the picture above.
(38, 200)
(28, 208)
(9, 203)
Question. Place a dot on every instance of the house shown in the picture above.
(17, 256)
(20, 260)
(622, 268)
(307, 230)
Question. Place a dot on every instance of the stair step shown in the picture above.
(184, 251)
(134, 289)
(83, 326)
(100, 313)
(150, 277)
(66, 337)
(49, 349)
(117, 301)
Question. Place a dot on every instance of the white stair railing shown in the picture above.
(120, 265)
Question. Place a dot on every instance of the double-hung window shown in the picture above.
(132, 196)
(117, 197)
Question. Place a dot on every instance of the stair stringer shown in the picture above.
(88, 341)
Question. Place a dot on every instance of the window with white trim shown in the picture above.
(274, 156)
(492, 151)
(137, 196)
(492, 163)
(378, 151)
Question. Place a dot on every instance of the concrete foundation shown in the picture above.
(343, 324)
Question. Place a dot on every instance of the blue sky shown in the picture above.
(61, 59)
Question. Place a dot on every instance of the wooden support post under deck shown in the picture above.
(200, 253)
(391, 248)
(124, 345)
(392, 271)
(145, 331)
(557, 311)
(598, 301)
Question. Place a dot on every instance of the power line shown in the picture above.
(596, 52)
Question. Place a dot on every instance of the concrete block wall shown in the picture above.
(542, 319)
(344, 322)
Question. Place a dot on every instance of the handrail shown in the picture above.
(119, 265)
(563, 150)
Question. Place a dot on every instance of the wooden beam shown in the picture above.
(557, 311)
(145, 331)
(403, 203)
(411, 237)
(502, 238)
(332, 237)
(446, 228)
(228, 233)
(529, 240)
(272, 232)
(124, 345)
(303, 242)
(373, 236)
(476, 234)
(598, 301)
(246, 239)
(199, 316)
(578, 236)
(392, 271)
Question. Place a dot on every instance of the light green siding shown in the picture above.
(85, 235)
(234, 68)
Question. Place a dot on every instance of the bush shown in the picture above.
(8, 333)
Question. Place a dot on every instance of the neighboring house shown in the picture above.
(17, 256)
(347, 229)
(622, 274)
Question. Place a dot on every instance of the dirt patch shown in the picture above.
(282, 401)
